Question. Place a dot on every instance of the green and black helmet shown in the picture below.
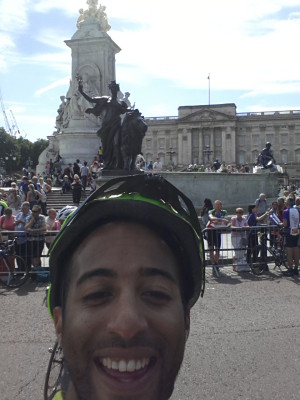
(147, 199)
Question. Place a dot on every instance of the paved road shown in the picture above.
(244, 341)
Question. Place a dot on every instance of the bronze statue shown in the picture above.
(265, 158)
(120, 144)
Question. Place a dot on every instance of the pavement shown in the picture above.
(244, 341)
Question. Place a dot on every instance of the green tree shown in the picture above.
(14, 152)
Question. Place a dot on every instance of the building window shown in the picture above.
(242, 140)
(270, 138)
(161, 143)
(297, 156)
(206, 140)
(254, 156)
(241, 157)
(218, 156)
(218, 139)
(255, 139)
(284, 156)
(297, 138)
(174, 143)
(284, 139)
(149, 143)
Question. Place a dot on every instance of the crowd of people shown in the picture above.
(222, 167)
(284, 213)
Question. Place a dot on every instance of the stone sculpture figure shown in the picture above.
(110, 130)
(265, 158)
(121, 141)
(133, 131)
(60, 111)
(95, 12)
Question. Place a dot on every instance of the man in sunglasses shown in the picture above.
(125, 269)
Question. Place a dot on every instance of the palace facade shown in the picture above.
(201, 134)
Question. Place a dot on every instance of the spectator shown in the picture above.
(291, 219)
(21, 219)
(36, 227)
(157, 166)
(14, 201)
(24, 186)
(76, 190)
(253, 250)
(94, 169)
(261, 204)
(69, 172)
(150, 166)
(239, 240)
(52, 224)
(66, 185)
(85, 171)
(7, 223)
(216, 165)
(33, 196)
(76, 168)
(223, 167)
(280, 207)
(3, 206)
(218, 219)
(207, 206)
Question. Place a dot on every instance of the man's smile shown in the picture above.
(123, 365)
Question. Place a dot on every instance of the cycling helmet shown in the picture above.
(65, 212)
(147, 199)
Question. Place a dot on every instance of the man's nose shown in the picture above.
(128, 318)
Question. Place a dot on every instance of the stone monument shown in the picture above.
(93, 59)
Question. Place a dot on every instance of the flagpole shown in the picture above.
(208, 89)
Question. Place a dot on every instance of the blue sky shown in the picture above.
(250, 49)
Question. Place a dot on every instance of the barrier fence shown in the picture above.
(261, 244)
(231, 246)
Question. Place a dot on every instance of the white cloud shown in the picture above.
(61, 82)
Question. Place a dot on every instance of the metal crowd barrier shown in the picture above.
(31, 247)
(254, 246)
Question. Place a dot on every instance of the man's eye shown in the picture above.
(158, 296)
(97, 296)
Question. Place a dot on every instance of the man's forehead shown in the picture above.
(121, 241)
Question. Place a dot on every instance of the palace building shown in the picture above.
(201, 134)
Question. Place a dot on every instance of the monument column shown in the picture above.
(93, 60)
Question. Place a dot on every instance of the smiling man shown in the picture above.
(125, 269)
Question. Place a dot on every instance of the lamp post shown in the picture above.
(10, 161)
(285, 176)
(206, 153)
(29, 164)
(2, 163)
(171, 153)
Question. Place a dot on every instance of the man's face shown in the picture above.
(218, 205)
(123, 328)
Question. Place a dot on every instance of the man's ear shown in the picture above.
(57, 314)
(187, 323)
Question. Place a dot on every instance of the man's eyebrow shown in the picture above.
(100, 272)
(148, 272)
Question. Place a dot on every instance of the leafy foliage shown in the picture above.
(21, 149)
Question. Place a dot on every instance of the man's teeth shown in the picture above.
(125, 366)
